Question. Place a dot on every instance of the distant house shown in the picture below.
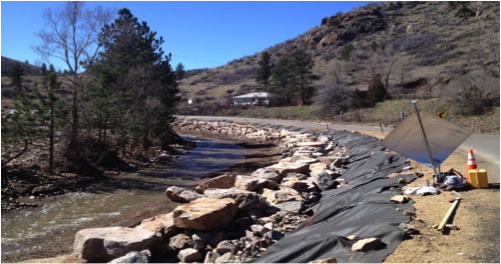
(259, 98)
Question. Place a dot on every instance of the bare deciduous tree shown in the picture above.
(70, 34)
(439, 82)
(333, 99)
(338, 71)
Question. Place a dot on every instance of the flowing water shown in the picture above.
(110, 200)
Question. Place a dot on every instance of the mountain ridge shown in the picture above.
(429, 38)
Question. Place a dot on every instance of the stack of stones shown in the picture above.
(229, 218)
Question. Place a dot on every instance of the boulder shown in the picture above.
(250, 183)
(105, 244)
(163, 224)
(296, 176)
(284, 168)
(325, 181)
(293, 207)
(197, 242)
(318, 167)
(245, 199)
(182, 195)
(225, 258)
(399, 199)
(205, 214)
(367, 244)
(189, 255)
(134, 257)
(260, 230)
(225, 246)
(179, 241)
(264, 173)
(300, 186)
(211, 257)
(329, 260)
(225, 181)
(281, 196)
(48, 188)
(409, 229)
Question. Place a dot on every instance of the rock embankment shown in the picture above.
(229, 218)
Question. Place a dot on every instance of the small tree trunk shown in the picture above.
(75, 124)
(51, 141)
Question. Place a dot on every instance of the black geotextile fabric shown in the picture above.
(361, 208)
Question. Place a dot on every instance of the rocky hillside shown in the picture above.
(420, 46)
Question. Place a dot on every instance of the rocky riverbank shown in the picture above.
(231, 217)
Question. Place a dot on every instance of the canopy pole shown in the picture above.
(433, 166)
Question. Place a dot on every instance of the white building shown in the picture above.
(259, 98)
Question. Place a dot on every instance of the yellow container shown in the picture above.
(478, 178)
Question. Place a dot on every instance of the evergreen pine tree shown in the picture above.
(43, 69)
(142, 80)
(50, 111)
(263, 74)
(179, 71)
(301, 64)
(16, 76)
(37, 116)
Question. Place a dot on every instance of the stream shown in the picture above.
(110, 200)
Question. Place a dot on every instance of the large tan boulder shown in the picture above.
(224, 181)
(245, 199)
(182, 195)
(205, 214)
(250, 183)
(281, 196)
(163, 224)
(189, 255)
(284, 168)
(318, 167)
(367, 244)
(264, 173)
(106, 244)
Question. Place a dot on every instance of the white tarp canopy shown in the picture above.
(443, 138)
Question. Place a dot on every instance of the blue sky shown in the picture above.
(198, 34)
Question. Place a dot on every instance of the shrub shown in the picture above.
(464, 12)
(474, 93)
(345, 53)
(333, 21)
(376, 92)
(332, 99)
(359, 99)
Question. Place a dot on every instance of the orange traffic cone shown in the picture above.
(471, 165)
